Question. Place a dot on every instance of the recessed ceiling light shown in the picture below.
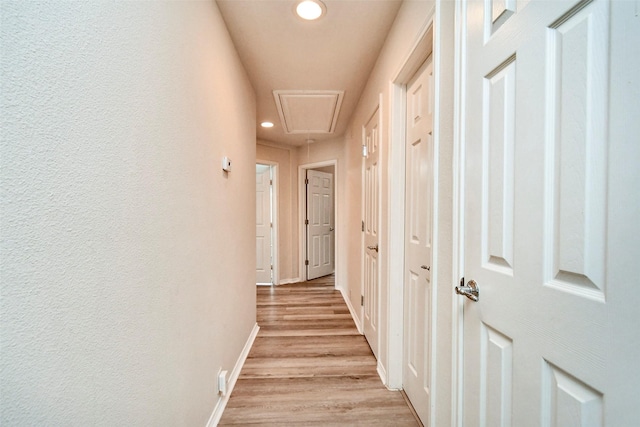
(266, 124)
(310, 9)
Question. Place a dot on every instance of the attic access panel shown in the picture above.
(308, 111)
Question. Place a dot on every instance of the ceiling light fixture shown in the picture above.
(310, 9)
(266, 124)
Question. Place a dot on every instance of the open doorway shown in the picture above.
(318, 219)
(266, 224)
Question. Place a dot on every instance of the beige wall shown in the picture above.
(321, 152)
(127, 255)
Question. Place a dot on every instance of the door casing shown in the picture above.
(422, 48)
(370, 303)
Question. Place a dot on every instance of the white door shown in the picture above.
(371, 235)
(320, 247)
(418, 294)
(263, 225)
(551, 213)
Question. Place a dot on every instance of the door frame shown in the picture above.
(274, 217)
(458, 197)
(361, 327)
(302, 209)
(420, 51)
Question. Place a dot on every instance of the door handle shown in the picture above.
(373, 248)
(331, 228)
(471, 291)
(425, 267)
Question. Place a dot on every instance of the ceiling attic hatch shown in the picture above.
(308, 111)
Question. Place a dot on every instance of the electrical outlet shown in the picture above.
(218, 381)
(222, 382)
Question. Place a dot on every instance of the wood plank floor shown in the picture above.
(310, 367)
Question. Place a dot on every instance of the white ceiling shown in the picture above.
(282, 52)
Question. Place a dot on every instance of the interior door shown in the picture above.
(418, 295)
(320, 227)
(549, 187)
(263, 225)
(371, 233)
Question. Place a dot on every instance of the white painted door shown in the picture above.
(320, 247)
(263, 225)
(551, 213)
(418, 294)
(371, 233)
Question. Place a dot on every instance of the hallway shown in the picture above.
(128, 247)
(310, 366)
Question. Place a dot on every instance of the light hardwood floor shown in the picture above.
(310, 367)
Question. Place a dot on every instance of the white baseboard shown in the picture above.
(354, 315)
(382, 373)
(289, 281)
(222, 401)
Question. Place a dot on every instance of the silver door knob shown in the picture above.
(373, 248)
(471, 291)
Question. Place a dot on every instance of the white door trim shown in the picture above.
(301, 214)
(274, 209)
(457, 314)
(377, 110)
(422, 48)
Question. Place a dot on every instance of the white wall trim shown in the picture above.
(381, 159)
(275, 169)
(353, 312)
(363, 138)
(457, 265)
(215, 417)
(302, 210)
(420, 51)
(382, 373)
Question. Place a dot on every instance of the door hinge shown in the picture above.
(272, 267)
(306, 222)
(270, 182)
(306, 181)
(306, 262)
(271, 224)
(362, 300)
(362, 225)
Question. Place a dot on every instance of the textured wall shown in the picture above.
(127, 256)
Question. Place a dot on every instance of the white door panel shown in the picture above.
(371, 234)
(320, 228)
(418, 296)
(538, 210)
